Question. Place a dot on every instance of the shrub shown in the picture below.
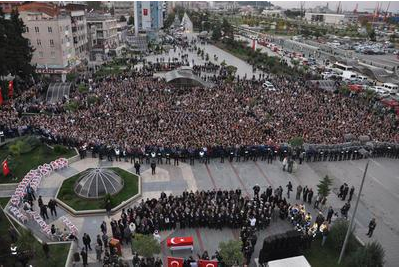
(145, 245)
(231, 252)
(372, 255)
(59, 149)
(296, 142)
(337, 235)
(32, 141)
(82, 88)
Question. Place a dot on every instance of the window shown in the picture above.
(49, 29)
(29, 42)
(67, 27)
(53, 54)
(36, 29)
(27, 29)
(40, 54)
(38, 42)
(51, 42)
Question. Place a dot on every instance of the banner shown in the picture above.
(175, 262)
(206, 263)
(1, 97)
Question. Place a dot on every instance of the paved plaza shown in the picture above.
(379, 198)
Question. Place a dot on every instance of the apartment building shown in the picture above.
(103, 37)
(49, 31)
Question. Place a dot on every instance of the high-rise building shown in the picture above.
(148, 15)
(49, 31)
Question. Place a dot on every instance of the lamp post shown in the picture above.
(364, 153)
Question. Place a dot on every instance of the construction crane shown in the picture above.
(355, 9)
(338, 7)
(386, 12)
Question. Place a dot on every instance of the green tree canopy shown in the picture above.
(131, 20)
(15, 51)
(324, 186)
(231, 252)
(372, 255)
(145, 245)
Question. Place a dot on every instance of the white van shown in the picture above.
(392, 88)
(347, 75)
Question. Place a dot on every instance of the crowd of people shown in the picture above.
(133, 111)
(216, 209)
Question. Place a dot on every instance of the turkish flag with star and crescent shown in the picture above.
(206, 263)
(6, 169)
(175, 262)
(180, 241)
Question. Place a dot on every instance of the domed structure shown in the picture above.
(97, 182)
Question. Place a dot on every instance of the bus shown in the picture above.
(339, 67)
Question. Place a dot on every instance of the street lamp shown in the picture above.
(365, 153)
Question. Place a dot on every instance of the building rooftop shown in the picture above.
(51, 10)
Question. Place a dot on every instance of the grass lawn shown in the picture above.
(68, 195)
(58, 253)
(22, 164)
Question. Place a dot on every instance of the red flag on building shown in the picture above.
(10, 88)
(205, 263)
(1, 97)
(175, 262)
(6, 170)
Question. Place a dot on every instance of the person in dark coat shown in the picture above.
(345, 191)
(351, 193)
(52, 206)
(137, 168)
(153, 167)
(310, 195)
(84, 257)
(371, 227)
(86, 241)
(305, 193)
(330, 214)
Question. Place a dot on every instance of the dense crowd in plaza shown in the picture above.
(131, 112)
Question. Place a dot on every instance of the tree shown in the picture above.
(337, 235)
(96, 5)
(324, 187)
(226, 27)
(372, 255)
(18, 51)
(131, 20)
(231, 252)
(216, 33)
(145, 245)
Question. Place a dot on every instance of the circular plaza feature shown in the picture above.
(97, 182)
(86, 192)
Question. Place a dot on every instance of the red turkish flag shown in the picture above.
(10, 88)
(205, 263)
(175, 262)
(1, 98)
(6, 169)
(145, 11)
(180, 241)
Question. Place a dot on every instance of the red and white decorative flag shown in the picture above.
(10, 88)
(180, 241)
(205, 263)
(1, 97)
(175, 262)
(6, 169)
